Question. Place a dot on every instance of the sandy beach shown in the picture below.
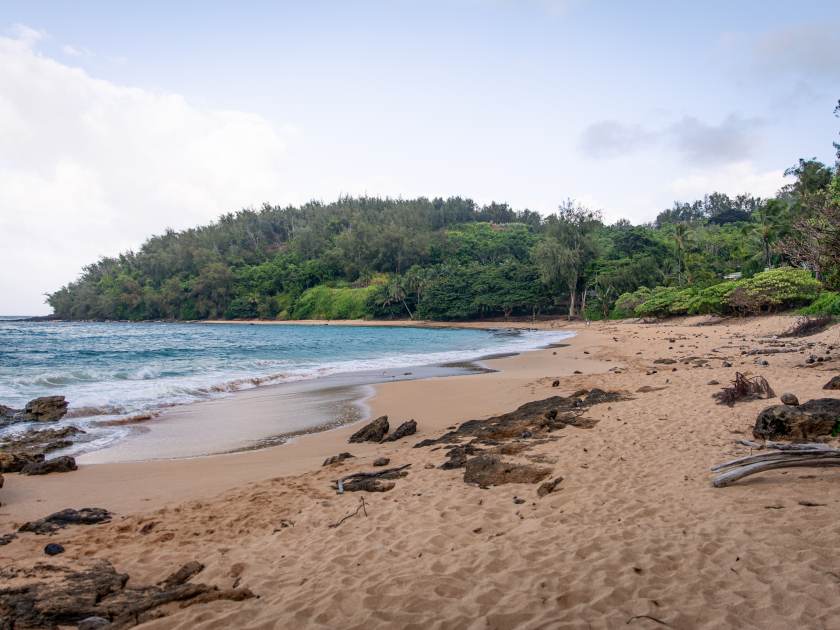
(634, 535)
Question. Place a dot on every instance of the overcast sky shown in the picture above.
(118, 120)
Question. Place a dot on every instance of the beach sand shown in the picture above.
(634, 536)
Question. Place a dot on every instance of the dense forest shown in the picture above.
(453, 259)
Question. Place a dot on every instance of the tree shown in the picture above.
(567, 249)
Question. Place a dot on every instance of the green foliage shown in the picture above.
(323, 302)
(627, 303)
(828, 303)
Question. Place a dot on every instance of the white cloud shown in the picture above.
(90, 168)
(732, 179)
(74, 51)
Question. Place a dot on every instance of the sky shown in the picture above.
(120, 120)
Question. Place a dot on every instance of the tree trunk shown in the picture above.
(572, 300)
(583, 302)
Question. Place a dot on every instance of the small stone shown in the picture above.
(53, 549)
(549, 486)
(714, 382)
(381, 461)
(335, 459)
(789, 399)
(727, 364)
(429, 466)
(577, 372)
(93, 623)
(518, 500)
(556, 384)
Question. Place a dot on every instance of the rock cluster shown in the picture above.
(377, 431)
(44, 409)
(814, 419)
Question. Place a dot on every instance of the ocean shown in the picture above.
(115, 370)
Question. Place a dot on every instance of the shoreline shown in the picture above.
(634, 529)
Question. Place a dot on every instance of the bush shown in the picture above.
(323, 302)
(828, 303)
(626, 303)
(774, 289)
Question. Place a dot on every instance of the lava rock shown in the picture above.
(404, 430)
(556, 383)
(813, 419)
(53, 549)
(45, 409)
(834, 383)
(60, 520)
(62, 464)
(15, 461)
(335, 459)
(371, 432)
(789, 399)
(491, 470)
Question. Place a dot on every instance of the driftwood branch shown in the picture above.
(781, 456)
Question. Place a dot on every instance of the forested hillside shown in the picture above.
(452, 259)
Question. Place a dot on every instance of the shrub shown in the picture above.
(323, 302)
(774, 289)
(828, 303)
(626, 303)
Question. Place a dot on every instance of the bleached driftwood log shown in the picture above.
(782, 456)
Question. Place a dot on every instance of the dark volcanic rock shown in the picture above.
(5, 539)
(491, 470)
(55, 465)
(53, 549)
(538, 416)
(813, 419)
(404, 430)
(335, 459)
(665, 361)
(60, 520)
(834, 383)
(457, 456)
(46, 596)
(372, 432)
(40, 442)
(789, 399)
(15, 462)
(45, 409)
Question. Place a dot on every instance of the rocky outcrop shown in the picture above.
(404, 430)
(15, 462)
(61, 464)
(372, 432)
(60, 520)
(811, 420)
(44, 409)
(491, 470)
(40, 442)
(48, 595)
(834, 383)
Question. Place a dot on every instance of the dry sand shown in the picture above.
(635, 536)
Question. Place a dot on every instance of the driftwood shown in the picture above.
(744, 388)
(388, 473)
(782, 456)
(362, 507)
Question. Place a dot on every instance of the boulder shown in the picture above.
(789, 399)
(491, 470)
(45, 409)
(61, 464)
(834, 383)
(405, 429)
(372, 432)
(15, 462)
(813, 419)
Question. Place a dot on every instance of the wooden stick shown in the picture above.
(773, 456)
(734, 475)
(339, 484)
(784, 446)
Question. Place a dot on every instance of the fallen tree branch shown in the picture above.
(791, 460)
(784, 446)
(352, 514)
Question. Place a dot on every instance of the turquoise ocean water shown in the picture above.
(111, 370)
